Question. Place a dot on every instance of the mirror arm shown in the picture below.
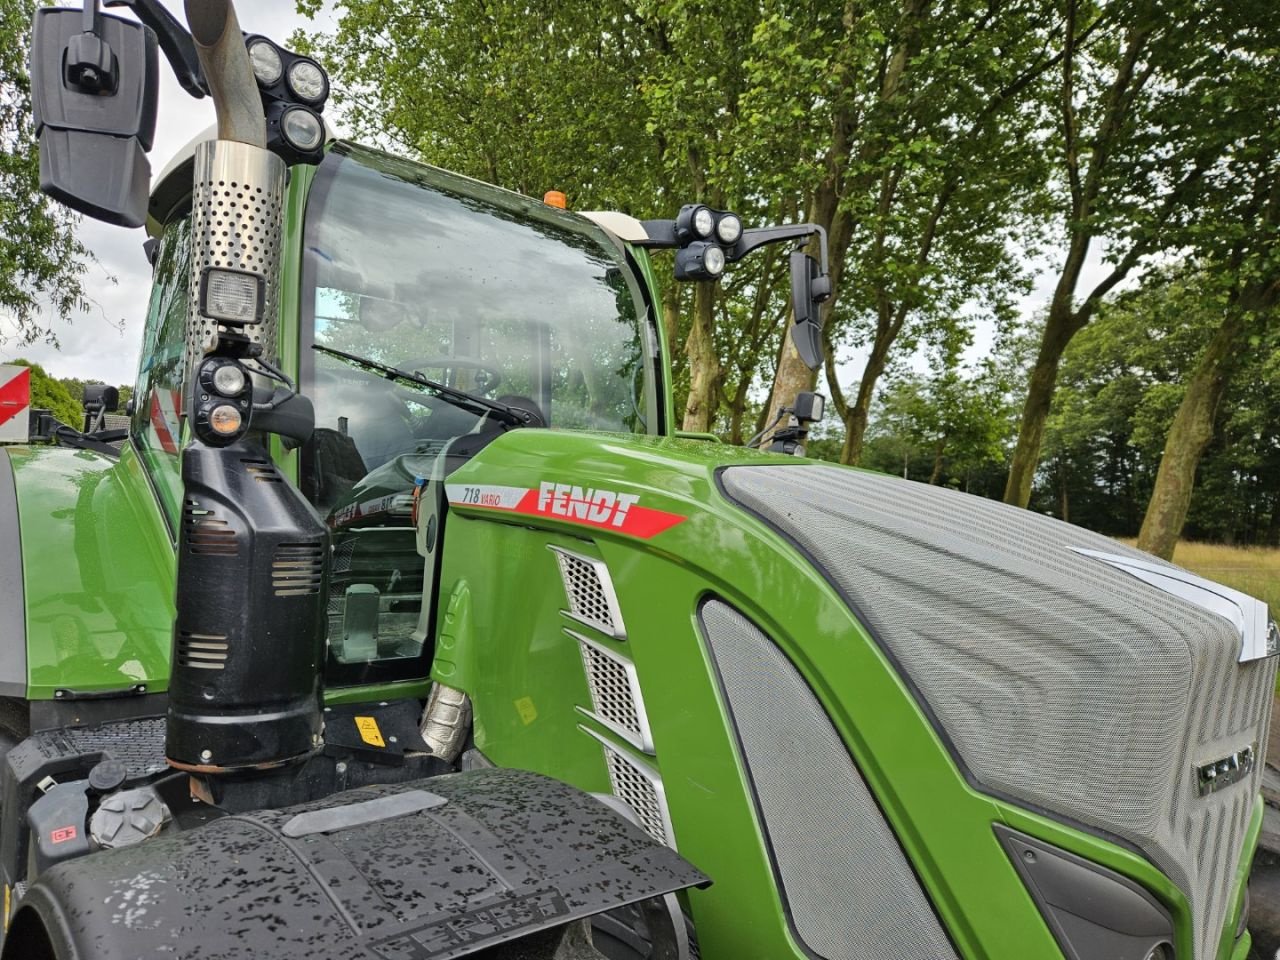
(661, 233)
(759, 236)
(176, 43)
(89, 22)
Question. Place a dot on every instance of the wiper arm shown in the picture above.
(512, 416)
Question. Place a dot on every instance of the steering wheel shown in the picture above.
(492, 375)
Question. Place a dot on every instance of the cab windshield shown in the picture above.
(491, 294)
(474, 287)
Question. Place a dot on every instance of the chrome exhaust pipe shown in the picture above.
(227, 70)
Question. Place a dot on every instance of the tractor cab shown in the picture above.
(514, 306)
(428, 315)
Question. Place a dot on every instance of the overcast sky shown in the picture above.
(104, 342)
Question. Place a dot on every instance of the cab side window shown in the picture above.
(157, 426)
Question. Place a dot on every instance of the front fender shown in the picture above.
(96, 576)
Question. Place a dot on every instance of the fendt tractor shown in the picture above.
(403, 625)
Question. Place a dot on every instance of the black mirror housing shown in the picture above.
(101, 397)
(94, 95)
(809, 288)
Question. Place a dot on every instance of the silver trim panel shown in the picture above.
(1258, 637)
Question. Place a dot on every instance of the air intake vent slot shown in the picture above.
(639, 786)
(263, 471)
(616, 701)
(297, 569)
(202, 651)
(589, 589)
(206, 533)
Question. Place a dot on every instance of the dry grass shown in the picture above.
(1255, 570)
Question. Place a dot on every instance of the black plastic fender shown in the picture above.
(427, 870)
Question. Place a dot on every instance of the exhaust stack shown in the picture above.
(248, 642)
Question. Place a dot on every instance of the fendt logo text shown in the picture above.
(594, 506)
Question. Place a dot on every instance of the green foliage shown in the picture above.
(1121, 383)
(41, 262)
(50, 394)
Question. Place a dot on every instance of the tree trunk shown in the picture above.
(792, 376)
(1190, 433)
(704, 363)
(938, 450)
(671, 312)
(1058, 331)
(860, 412)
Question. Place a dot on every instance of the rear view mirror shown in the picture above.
(809, 289)
(94, 82)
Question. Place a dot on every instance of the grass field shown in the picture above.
(1255, 570)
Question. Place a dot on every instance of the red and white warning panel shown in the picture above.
(15, 404)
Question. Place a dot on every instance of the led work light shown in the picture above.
(232, 297)
(265, 58)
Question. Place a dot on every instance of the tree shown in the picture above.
(923, 118)
(42, 263)
(1123, 381)
(1148, 101)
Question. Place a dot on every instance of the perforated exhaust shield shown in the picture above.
(1057, 679)
(236, 201)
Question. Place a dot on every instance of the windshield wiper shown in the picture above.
(512, 416)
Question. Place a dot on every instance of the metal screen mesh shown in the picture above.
(851, 892)
(614, 694)
(1059, 679)
(587, 593)
(641, 790)
(237, 195)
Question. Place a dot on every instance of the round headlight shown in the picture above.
(307, 81)
(302, 129)
(703, 222)
(225, 419)
(265, 58)
(228, 380)
(729, 229)
(713, 260)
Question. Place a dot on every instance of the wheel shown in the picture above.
(653, 929)
(492, 375)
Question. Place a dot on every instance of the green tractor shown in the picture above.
(404, 624)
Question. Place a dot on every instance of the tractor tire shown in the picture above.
(1264, 906)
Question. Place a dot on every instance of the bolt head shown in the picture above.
(206, 755)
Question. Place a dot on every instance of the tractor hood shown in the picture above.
(1061, 672)
(1065, 670)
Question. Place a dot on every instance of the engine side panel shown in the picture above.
(97, 569)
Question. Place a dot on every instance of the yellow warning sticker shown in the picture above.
(527, 711)
(369, 731)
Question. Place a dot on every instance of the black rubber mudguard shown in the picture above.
(427, 870)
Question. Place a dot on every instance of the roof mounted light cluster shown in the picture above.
(294, 89)
(706, 240)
